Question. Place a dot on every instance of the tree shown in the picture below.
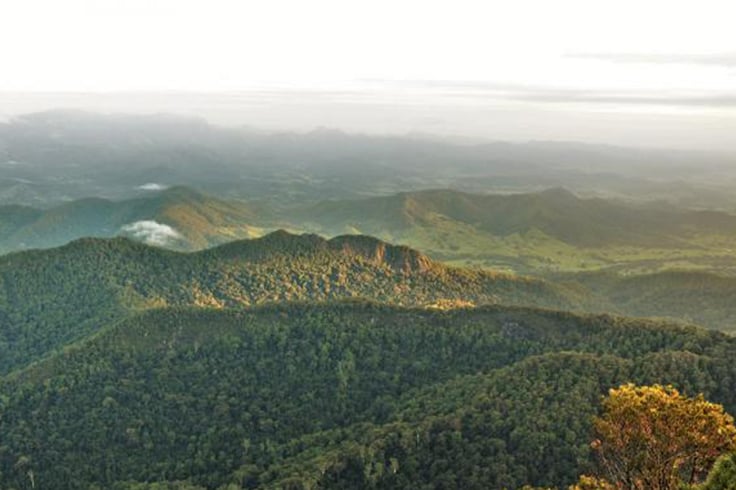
(723, 475)
(654, 438)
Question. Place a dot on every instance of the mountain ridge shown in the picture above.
(556, 211)
(71, 291)
(532, 233)
(398, 257)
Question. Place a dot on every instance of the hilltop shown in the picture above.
(49, 298)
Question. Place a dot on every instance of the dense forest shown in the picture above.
(50, 298)
(297, 362)
(342, 395)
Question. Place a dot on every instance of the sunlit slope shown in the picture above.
(537, 232)
(534, 233)
(190, 220)
(49, 298)
(556, 212)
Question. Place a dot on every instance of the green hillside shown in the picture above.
(555, 212)
(13, 218)
(351, 395)
(195, 221)
(700, 297)
(537, 232)
(49, 298)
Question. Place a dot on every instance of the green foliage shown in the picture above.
(592, 483)
(700, 297)
(722, 476)
(53, 297)
(353, 395)
(654, 438)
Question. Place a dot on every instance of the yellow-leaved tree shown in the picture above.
(654, 438)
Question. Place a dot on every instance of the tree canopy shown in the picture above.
(655, 438)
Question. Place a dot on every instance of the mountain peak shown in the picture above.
(398, 257)
(274, 243)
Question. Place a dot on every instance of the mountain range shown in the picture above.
(51, 157)
(546, 231)
(336, 311)
(536, 233)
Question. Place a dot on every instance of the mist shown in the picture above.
(461, 114)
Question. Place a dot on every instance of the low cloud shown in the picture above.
(152, 186)
(713, 59)
(151, 232)
(490, 91)
(717, 101)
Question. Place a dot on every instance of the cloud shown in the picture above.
(714, 59)
(152, 186)
(717, 101)
(478, 90)
(151, 232)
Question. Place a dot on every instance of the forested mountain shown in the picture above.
(350, 395)
(700, 297)
(556, 212)
(49, 298)
(534, 233)
(324, 245)
(178, 218)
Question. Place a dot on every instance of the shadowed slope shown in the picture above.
(338, 394)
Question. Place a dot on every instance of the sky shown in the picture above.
(652, 73)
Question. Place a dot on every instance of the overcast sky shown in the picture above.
(658, 73)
